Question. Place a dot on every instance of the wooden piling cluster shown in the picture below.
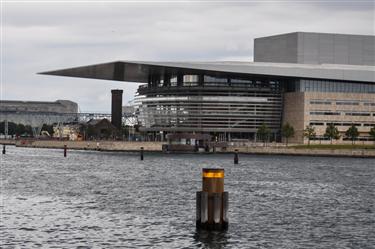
(212, 201)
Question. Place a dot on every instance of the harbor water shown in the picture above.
(114, 200)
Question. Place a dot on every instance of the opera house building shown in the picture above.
(300, 78)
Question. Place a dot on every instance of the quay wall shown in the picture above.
(92, 145)
(157, 147)
(304, 152)
(8, 141)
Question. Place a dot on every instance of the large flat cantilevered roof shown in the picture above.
(139, 71)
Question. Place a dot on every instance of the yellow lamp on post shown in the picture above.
(213, 180)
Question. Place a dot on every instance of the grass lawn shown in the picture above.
(335, 146)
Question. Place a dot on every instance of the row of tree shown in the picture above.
(331, 133)
(88, 131)
(23, 130)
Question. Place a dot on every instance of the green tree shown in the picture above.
(20, 129)
(11, 128)
(287, 131)
(352, 133)
(136, 127)
(90, 131)
(372, 133)
(124, 130)
(106, 133)
(332, 132)
(29, 130)
(263, 133)
(309, 133)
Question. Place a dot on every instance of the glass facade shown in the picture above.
(210, 103)
(318, 85)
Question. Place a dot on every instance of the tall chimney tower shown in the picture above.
(117, 107)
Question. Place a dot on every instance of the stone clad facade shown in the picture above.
(320, 109)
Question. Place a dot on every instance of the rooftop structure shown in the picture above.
(316, 48)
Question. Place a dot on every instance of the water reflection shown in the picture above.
(211, 239)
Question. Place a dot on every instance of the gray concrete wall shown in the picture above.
(278, 48)
(316, 48)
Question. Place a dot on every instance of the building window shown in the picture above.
(215, 79)
(190, 78)
(329, 113)
(357, 114)
(347, 103)
(173, 80)
(347, 124)
(320, 102)
(316, 123)
(240, 81)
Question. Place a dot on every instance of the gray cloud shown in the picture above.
(39, 37)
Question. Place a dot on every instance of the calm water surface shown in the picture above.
(109, 200)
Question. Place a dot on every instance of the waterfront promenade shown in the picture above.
(157, 147)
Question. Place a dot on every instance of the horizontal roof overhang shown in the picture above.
(139, 71)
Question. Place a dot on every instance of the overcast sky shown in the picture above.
(47, 35)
